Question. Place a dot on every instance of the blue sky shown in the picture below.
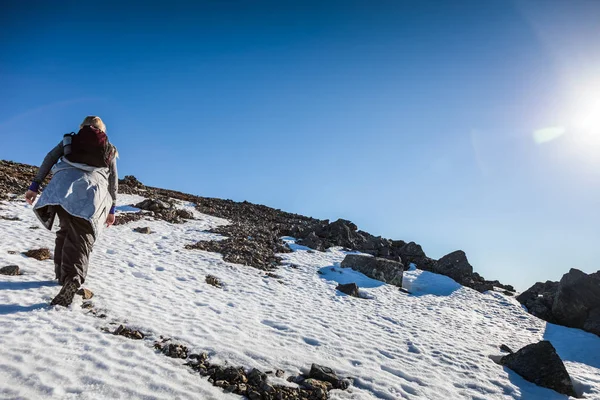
(415, 120)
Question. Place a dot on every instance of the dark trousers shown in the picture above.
(74, 242)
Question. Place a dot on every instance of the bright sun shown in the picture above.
(586, 119)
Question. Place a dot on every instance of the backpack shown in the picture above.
(88, 147)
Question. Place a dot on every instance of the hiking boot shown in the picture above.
(85, 293)
(65, 296)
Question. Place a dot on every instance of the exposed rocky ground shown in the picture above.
(250, 383)
(574, 301)
(253, 237)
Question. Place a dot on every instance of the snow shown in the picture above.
(434, 343)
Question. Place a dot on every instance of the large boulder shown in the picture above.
(539, 299)
(387, 271)
(455, 265)
(539, 363)
(412, 253)
(577, 295)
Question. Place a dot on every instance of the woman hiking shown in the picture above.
(83, 193)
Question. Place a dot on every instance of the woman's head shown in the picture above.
(94, 122)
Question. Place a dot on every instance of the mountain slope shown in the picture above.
(432, 344)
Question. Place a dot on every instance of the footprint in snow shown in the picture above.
(275, 325)
(141, 276)
(311, 341)
(412, 348)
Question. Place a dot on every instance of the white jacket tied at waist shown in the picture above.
(80, 189)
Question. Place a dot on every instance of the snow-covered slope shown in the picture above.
(432, 344)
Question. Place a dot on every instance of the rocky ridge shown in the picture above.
(253, 237)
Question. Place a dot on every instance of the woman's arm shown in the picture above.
(113, 184)
(51, 158)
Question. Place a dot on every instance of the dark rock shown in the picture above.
(173, 350)
(10, 270)
(571, 302)
(129, 184)
(213, 280)
(455, 265)
(125, 218)
(539, 363)
(412, 253)
(256, 377)
(10, 218)
(539, 299)
(344, 384)
(145, 230)
(387, 271)
(154, 205)
(39, 254)
(578, 293)
(350, 289)
(129, 333)
(592, 323)
(325, 374)
(313, 384)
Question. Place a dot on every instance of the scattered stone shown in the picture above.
(214, 281)
(508, 293)
(387, 271)
(254, 384)
(350, 289)
(11, 218)
(325, 374)
(125, 218)
(539, 363)
(154, 205)
(34, 227)
(272, 275)
(11, 252)
(39, 254)
(10, 270)
(128, 183)
(129, 333)
(165, 210)
(145, 230)
(314, 384)
(87, 305)
(174, 350)
(85, 293)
